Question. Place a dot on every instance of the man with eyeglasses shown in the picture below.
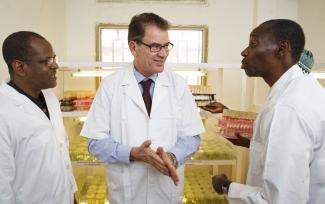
(34, 159)
(143, 122)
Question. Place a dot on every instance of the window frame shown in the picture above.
(203, 28)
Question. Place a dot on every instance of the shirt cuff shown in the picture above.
(123, 153)
(179, 154)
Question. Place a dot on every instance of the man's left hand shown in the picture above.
(169, 164)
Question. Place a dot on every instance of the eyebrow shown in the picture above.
(253, 35)
(159, 43)
(50, 56)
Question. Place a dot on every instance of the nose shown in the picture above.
(244, 53)
(54, 65)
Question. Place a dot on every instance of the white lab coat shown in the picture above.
(287, 152)
(34, 161)
(118, 109)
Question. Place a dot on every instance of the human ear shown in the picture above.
(19, 68)
(133, 48)
(283, 48)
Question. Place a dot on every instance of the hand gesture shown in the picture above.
(169, 164)
(146, 154)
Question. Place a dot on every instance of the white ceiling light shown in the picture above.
(92, 73)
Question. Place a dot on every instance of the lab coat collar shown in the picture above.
(28, 106)
(277, 89)
(18, 98)
(161, 91)
(129, 77)
(132, 90)
(139, 77)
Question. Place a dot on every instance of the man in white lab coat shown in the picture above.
(287, 149)
(144, 122)
(34, 160)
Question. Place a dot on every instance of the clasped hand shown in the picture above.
(159, 159)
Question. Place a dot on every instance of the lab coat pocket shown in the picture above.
(114, 176)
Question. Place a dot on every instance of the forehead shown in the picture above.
(262, 32)
(155, 34)
(41, 47)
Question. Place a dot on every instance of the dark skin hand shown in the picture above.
(215, 107)
(218, 181)
(241, 141)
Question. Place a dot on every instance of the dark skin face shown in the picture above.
(35, 72)
(265, 57)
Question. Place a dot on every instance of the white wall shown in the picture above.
(45, 17)
(81, 36)
(312, 19)
(229, 22)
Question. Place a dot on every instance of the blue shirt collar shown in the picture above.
(139, 77)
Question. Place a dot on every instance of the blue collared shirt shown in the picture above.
(108, 150)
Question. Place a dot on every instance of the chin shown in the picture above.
(249, 73)
(159, 69)
(52, 85)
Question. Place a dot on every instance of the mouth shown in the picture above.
(159, 62)
(243, 64)
(53, 76)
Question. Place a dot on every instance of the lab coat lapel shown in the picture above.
(50, 104)
(160, 92)
(26, 104)
(131, 89)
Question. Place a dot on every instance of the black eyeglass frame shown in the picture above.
(167, 47)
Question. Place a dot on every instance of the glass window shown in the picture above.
(189, 47)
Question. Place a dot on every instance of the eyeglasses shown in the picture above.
(48, 62)
(155, 47)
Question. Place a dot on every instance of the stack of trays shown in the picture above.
(76, 100)
(198, 188)
(78, 150)
(236, 122)
(91, 189)
(214, 148)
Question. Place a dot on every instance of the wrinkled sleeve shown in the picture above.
(7, 166)
(185, 147)
(108, 150)
(286, 171)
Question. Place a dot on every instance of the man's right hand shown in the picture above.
(240, 141)
(146, 154)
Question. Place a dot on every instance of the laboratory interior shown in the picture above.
(89, 38)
